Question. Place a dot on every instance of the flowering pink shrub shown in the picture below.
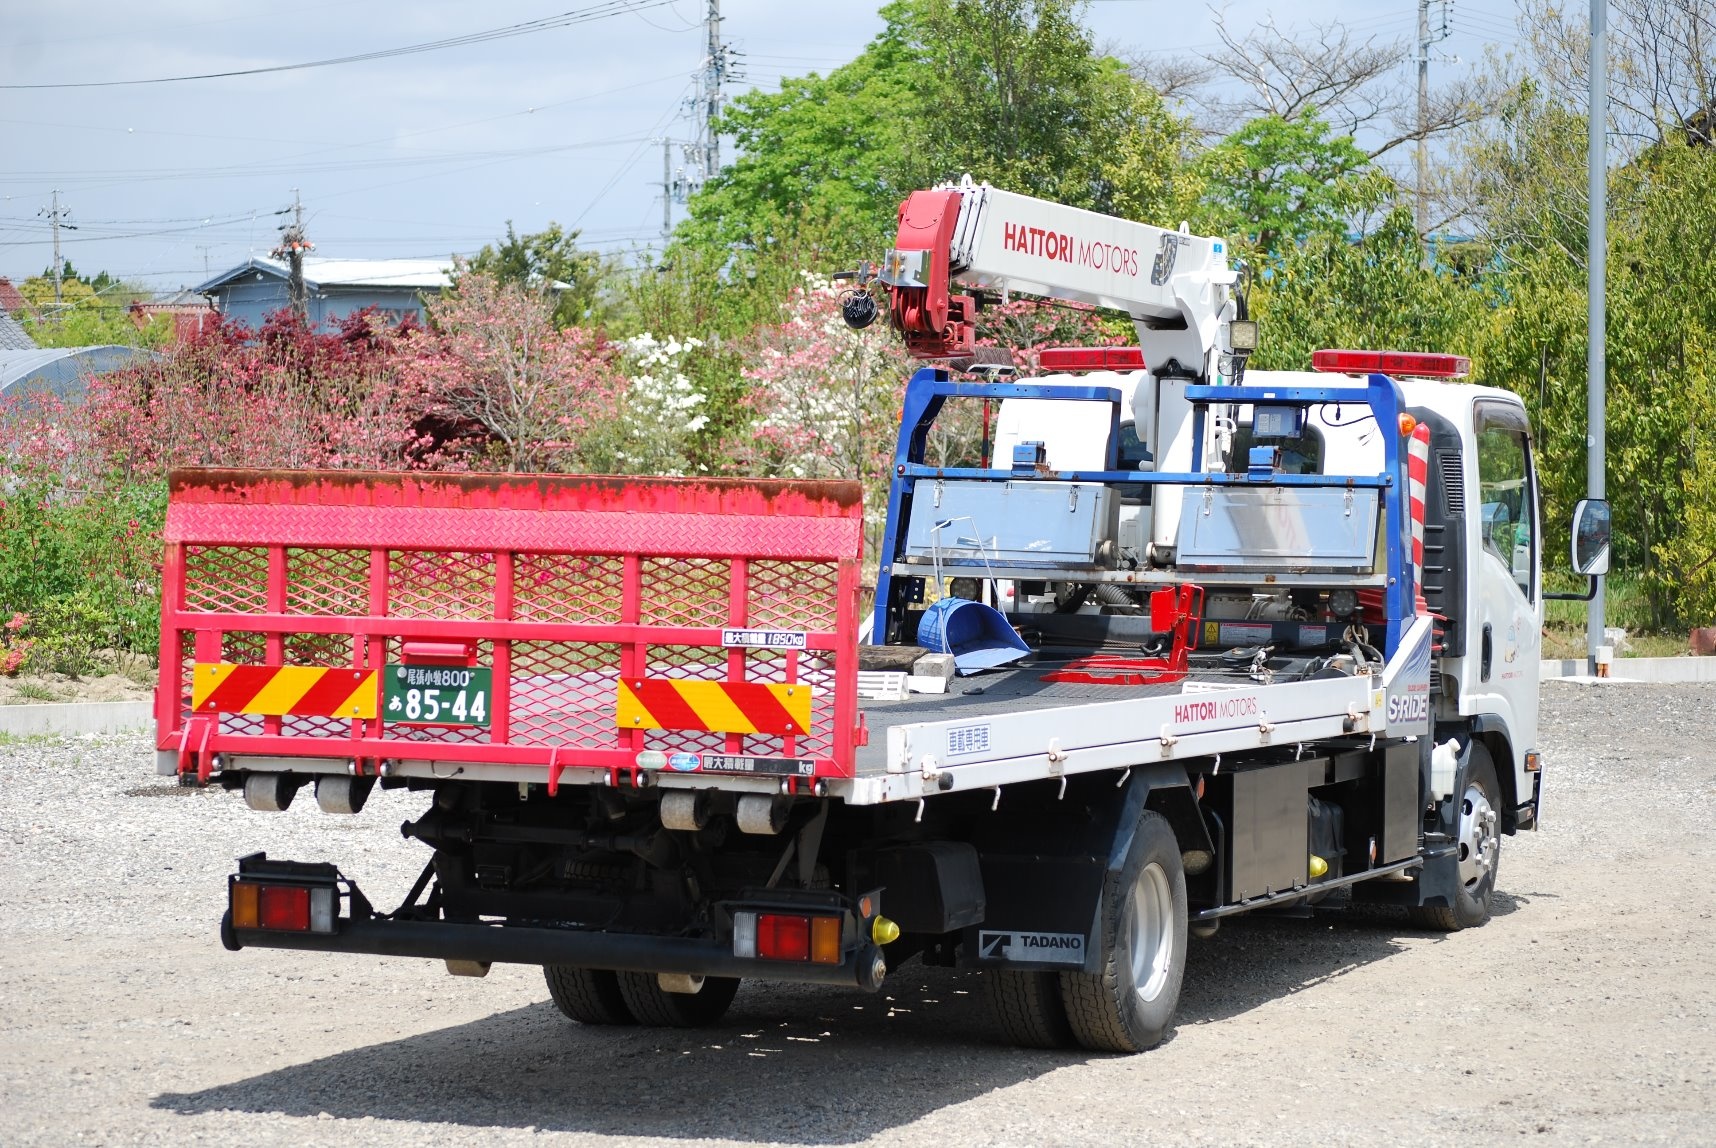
(524, 395)
(14, 647)
(826, 398)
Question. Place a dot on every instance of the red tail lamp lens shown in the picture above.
(781, 938)
(285, 907)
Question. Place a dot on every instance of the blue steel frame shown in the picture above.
(930, 388)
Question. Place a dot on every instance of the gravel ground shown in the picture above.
(1581, 1013)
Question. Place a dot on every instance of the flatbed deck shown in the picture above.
(1017, 689)
(1011, 726)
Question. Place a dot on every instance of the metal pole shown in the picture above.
(666, 188)
(716, 66)
(1596, 266)
(54, 221)
(1423, 213)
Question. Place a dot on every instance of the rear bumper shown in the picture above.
(535, 945)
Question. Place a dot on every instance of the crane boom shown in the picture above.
(1176, 286)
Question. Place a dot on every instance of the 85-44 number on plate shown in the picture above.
(437, 695)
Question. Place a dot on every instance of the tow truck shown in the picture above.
(1182, 641)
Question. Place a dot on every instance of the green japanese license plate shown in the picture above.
(437, 695)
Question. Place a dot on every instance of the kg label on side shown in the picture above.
(736, 639)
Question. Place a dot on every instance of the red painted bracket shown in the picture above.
(1177, 611)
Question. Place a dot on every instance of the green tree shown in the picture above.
(1373, 291)
(1527, 171)
(91, 312)
(1012, 92)
(1017, 93)
(1275, 181)
(551, 259)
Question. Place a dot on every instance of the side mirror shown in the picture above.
(1591, 537)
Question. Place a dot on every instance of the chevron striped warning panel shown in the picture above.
(721, 707)
(282, 691)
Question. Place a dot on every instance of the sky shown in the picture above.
(432, 153)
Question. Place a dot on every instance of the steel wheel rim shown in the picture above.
(1150, 929)
(1480, 837)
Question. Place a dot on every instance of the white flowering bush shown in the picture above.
(657, 413)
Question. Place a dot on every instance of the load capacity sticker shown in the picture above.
(764, 639)
(744, 763)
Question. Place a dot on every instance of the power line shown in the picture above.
(595, 12)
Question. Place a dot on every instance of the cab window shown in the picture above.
(1133, 451)
(1507, 523)
(1302, 455)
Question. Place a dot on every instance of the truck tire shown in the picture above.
(1128, 1005)
(588, 996)
(1479, 837)
(1027, 1008)
(654, 1006)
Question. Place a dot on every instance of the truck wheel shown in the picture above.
(1479, 837)
(652, 1005)
(1027, 1008)
(588, 996)
(1128, 1005)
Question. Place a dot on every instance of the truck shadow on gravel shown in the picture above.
(789, 1064)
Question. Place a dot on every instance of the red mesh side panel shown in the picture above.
(432, 584)
(793, 595)
(327, 582)
(226, 579)
(563, 693)
(568, 588)
(685, 591)
(553, 585)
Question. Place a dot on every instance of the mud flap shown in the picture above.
(1045, 859)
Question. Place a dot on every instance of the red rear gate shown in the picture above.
(563, 622)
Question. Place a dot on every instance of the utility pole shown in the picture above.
(1421, 213)
(1423, 207)
(1596, 271)
(55, 214)
(719, 66)
(714, 66)
(666, 188)
(293, 244)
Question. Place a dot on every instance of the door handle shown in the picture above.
(1488, 652)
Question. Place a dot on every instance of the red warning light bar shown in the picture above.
(1091, 359)
(1392, 363)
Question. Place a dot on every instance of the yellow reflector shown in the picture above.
(884, 931)
(1318, 866)
(246, 905)
(1533, 762)
(825, 940)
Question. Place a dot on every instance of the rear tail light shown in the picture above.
(825, 940)
(246, 912)
(783, 938)
(787, 937)
(284, 908)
